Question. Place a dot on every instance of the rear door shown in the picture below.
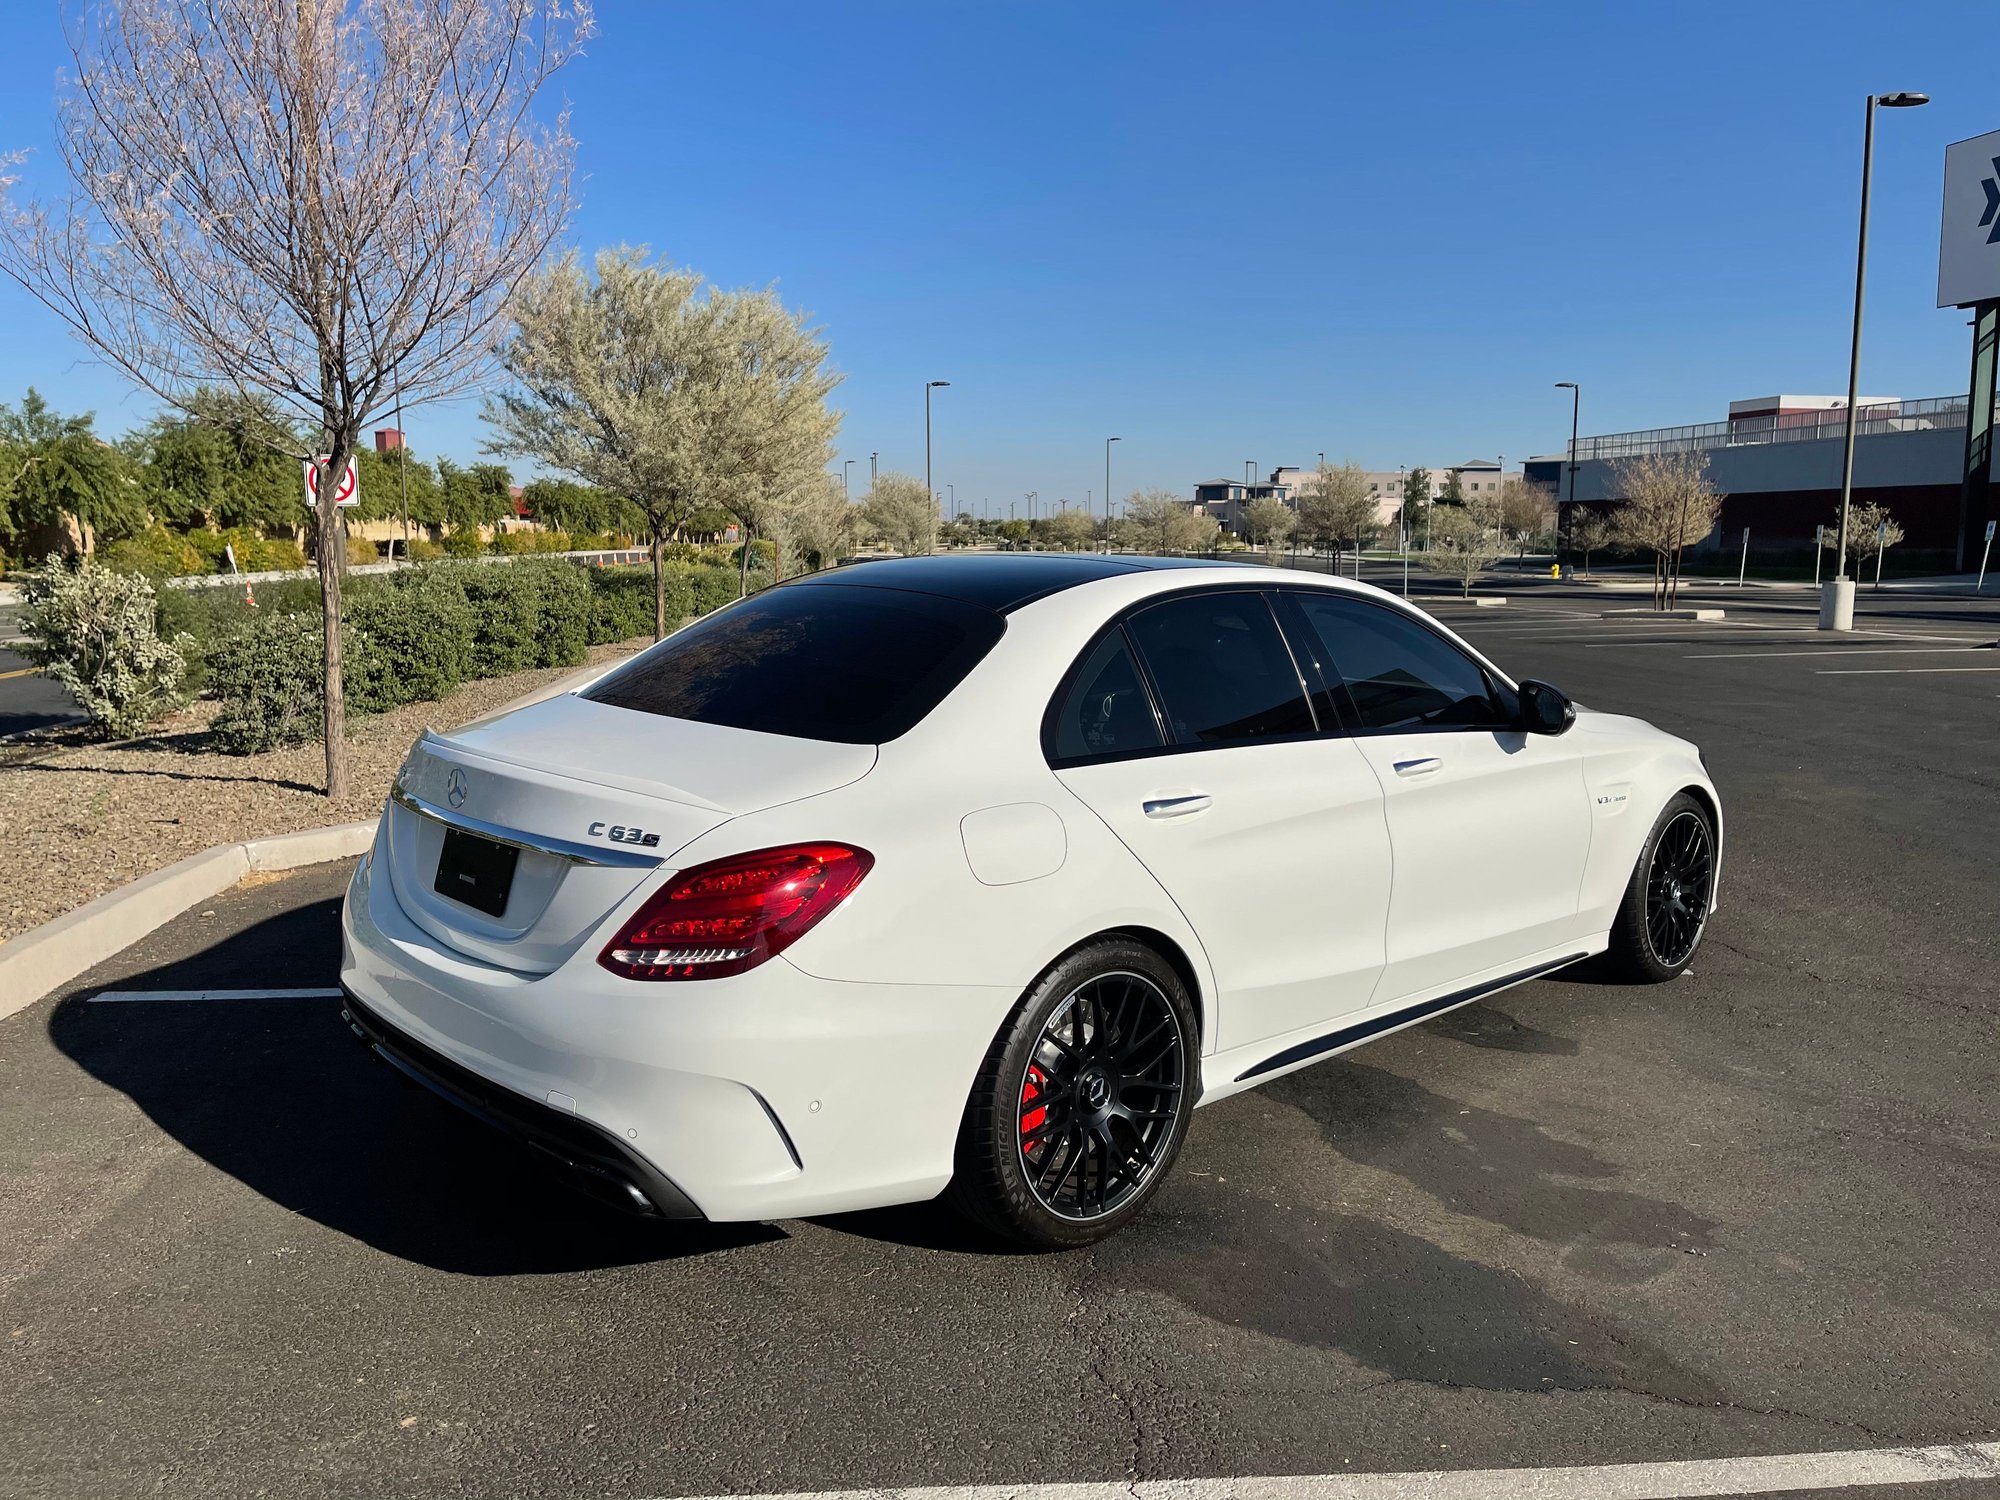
(1490, 825)
(1207, 761)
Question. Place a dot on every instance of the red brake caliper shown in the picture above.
(1031, 1089)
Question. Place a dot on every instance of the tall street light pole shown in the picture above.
(1107, 490)
(846, 490)
(929, 386)
(1836, 603)
(1575, 407)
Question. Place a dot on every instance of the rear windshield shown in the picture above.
(853, 665)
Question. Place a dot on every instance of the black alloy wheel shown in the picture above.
(1082, 1101)
(1678, 887)
(1100, 1095)
(1665, 909)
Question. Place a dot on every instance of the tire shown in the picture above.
(1665, 910)
(1107, 1041)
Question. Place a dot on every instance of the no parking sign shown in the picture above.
(350, 483)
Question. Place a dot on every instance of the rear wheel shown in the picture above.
(1082, 1101)
(1665, 910)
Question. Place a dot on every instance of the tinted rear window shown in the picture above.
(853, 665)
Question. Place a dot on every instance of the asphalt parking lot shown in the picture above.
(1749, 1212)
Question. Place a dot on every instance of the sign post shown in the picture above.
(1743, 566)
(1969, 277)
(1980, 587)
(1881, 546)
(1819, 550)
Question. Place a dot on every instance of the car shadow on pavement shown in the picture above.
(279, 1095)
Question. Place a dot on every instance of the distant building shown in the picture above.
(1777, 462)
(388, 440)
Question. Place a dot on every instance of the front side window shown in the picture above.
(1398, 674)
(1105, 712)
(850, 664)
(1222, 669)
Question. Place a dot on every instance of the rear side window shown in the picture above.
(1106, 711)
(1222, 669)
(854, 665)
(1399, 674)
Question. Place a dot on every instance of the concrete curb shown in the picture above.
(47, 957)
(1662, 614)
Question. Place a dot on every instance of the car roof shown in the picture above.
(999, 581)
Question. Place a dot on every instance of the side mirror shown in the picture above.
(1545, 709)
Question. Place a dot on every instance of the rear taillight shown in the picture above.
(732, 914)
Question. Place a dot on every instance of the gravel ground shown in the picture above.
(79, 819)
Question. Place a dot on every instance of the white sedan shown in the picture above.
(978, 875)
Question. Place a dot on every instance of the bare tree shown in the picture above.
(1669, 505)
(903, 514)
(1336, 507)
(1527, 513)
(1590, 531)
(1160, 521)
(1871, 530)
(322, 202)
(1071, 530)
(1467, 539)
(649, 383)
(1267, 523)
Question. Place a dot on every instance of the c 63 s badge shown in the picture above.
(618, 833)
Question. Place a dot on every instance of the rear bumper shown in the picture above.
(766, 1095)
(594, 1159)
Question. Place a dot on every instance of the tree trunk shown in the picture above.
(659, 591)
(332, 569)
(743, 564)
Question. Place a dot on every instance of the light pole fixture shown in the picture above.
(871, 469)
(929, 386)
(1836, 603)
(1249, 474)
(1107, 490)
(846, 490)
(953, 490)
(1575, 407)
(1322, 460)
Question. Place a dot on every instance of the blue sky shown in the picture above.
(1247, 231)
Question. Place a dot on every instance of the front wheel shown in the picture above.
(1665, 910)
(1082, 1101)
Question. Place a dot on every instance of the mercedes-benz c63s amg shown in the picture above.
(978, 875)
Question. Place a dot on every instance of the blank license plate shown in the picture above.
(476, 871)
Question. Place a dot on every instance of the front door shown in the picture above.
(1490, 825)
(1269, 836)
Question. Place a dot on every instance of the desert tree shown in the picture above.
(1267, 522)
(1453, 490)
(1527, 513)
(62, 482)
(1871, 531)
(691, 402)
(1669, 506)
(1467, 539)
(1590, 531)
(1160, 521)
(324, 203)
(1416, 501)
(822, 522)
(1071, 530)
(904, 514)
(1336, 507)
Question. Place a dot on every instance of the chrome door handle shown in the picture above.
(1175, 807)
(1426, 766)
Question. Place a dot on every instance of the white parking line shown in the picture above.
(1781, 1473)
(1852, 651)
(110, 996)
(1895, 671)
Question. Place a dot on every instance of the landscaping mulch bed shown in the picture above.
(79, 818)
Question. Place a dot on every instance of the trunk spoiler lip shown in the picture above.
(575, 853)
(452, 749)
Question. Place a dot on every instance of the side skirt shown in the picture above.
(1347, 1036)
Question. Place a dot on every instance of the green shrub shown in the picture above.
(154, 553)
(565, 611)
(94, 632)
(267, 676)
(361, 552)
(506, 610)
(621, 604)
(463, 541)
(424, 551)
(407, 644)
